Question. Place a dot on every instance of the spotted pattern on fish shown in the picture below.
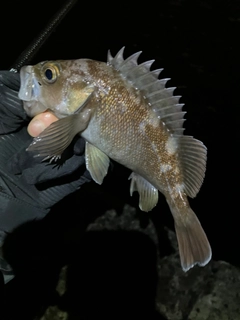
(124, 112)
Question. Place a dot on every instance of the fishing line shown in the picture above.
(26, 56)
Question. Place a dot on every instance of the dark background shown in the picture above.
(197, 44)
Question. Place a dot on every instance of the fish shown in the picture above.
(125, 112)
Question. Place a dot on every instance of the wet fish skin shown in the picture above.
(125, 113)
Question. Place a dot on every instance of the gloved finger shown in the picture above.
(24, 160)
(37, 171)
(42, 171)
(10, 79)
(79, 145)
(12, 114)
(55, 190)
(46, 171)
(1, 286)
(21, 160)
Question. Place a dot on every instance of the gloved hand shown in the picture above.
(23, 169)
(29, 187)
(12, 115)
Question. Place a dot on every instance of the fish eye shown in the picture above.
(50, 73)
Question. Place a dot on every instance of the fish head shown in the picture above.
(59, 86)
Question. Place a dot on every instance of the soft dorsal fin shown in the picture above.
(193, 156)
(160, 99)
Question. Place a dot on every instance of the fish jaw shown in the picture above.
(33, 108)
(29, 92)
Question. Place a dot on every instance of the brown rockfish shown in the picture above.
(126, 113)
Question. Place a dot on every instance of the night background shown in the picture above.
(197, 44)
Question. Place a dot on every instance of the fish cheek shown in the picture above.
(52, 95)
(78, 95)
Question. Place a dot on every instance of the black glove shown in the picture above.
(29, 187)
(12, 115)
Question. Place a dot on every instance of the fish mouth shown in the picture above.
(30, 91)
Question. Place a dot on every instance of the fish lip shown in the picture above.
(30, 91)
(29, 88)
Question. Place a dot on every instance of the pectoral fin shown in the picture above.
(97, 162)
(148, 194)
(56, 138)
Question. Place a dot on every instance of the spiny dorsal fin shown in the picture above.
(117, 60)
(160, 99)
(193, 156)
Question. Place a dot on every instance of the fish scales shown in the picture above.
(124, 109)
(125, 113)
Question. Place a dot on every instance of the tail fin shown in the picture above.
(193, 244)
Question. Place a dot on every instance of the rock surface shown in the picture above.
(207, 293)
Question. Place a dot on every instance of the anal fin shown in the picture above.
(148, 194)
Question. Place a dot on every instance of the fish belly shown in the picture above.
(134, 150)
